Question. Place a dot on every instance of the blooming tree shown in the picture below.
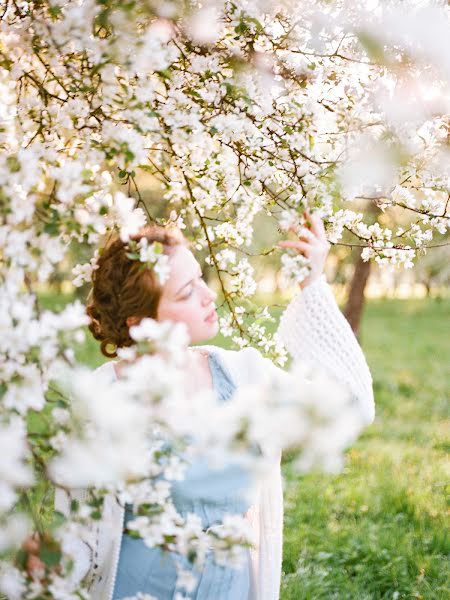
(235, 108)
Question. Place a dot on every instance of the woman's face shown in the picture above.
(186, 298)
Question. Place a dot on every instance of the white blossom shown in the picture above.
(14, 472)
(128, 218)
(12, 582)
(14, 531)
(294, 268)
(83, 273)
(152, 255)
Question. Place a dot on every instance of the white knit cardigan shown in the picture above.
(314, 330)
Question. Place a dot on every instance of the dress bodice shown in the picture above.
(211, 492)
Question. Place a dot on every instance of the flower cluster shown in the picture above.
(151, 256)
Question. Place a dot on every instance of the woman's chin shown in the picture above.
(215, 327)
(207, 333)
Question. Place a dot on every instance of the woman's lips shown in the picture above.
(212, 316)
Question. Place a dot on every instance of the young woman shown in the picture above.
(312, 328)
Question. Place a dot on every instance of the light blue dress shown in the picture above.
(208, 493)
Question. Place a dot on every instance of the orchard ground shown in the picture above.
(378, 530)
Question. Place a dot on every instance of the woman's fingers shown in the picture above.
(307, 237)
(304, 247)
(318, 227)
(311, 243)
(306, 234)
(32, 543)
(303, 232)
(34, 563)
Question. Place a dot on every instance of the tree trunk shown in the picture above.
(355, 302)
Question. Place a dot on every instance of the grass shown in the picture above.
(378, 530)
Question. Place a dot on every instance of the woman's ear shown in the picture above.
(133, 321)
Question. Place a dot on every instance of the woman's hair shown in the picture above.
(121, 288)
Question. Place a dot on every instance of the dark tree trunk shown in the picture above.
(355, 301)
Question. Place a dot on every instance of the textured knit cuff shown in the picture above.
(314, 330)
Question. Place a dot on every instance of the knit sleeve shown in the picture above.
(266, 519)
(314, 330)
(79, 550)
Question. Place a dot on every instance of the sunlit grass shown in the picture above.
(379, 529)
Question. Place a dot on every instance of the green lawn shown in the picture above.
(377, 530)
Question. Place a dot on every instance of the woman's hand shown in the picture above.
(313, 244)
(34, 565)
(34, 547)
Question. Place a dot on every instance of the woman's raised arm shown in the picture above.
(315, 331)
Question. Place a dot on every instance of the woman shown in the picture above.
(312, 328)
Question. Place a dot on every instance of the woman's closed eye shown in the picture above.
(187, 294)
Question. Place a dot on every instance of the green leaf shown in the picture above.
(51, 228)
(133, 534)
(21, 558)
(229, 87)
(37, 423)
(13, 163)
(54, 11)
(129, 155)
(241, 28)
(259, 27)
(96, 502)
(158, 247)
(58, 519)
(373, 46)
(49, 551)
(164, 74)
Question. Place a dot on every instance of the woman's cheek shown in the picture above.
(190, 312)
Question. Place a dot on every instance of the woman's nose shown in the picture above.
(209, 295)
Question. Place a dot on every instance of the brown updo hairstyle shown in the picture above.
(122, 289)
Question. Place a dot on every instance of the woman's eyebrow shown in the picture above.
(187, 283)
